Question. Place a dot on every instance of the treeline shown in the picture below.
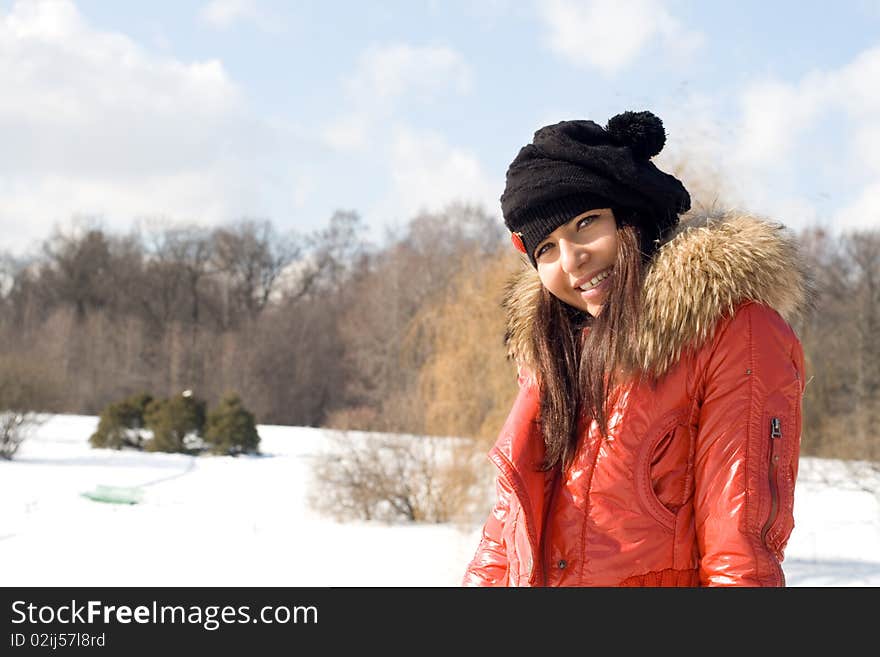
(327, 328)
(341, 327)
(841, 414)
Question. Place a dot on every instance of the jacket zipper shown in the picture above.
(775, 436)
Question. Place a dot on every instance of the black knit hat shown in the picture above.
(574, 166)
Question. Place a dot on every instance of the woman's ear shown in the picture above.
(524, 375)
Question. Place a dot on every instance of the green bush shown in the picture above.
(122, 424)
(177, 423)
(231, 429)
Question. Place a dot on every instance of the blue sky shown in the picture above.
(209, 111)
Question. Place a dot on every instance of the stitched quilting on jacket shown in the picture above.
(694, 485)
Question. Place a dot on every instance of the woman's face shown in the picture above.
(575, 261)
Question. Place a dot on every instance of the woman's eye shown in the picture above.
(541, 250)
(585, 221)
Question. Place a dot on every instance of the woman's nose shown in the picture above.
(571, 255)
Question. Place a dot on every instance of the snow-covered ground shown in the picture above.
(223, 521)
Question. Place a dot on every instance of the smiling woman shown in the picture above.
(655, 437)
(584, 249)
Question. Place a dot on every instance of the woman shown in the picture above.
(655, 437)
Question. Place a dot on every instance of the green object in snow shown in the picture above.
(115, 495)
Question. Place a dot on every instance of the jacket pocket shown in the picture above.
(781, 435)
(662, 467)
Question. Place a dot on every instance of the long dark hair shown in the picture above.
(580, 357)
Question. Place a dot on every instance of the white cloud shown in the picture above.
(608, 35)
(349, 132)
(866, 147)
(223, 14)
(783, 125)
(722, 161)
(857, 85)
(773, 116)
(192, 191)
(696, 148)
(864, 211)
(783, 132)
(91, 122)
(428, 173)
(386, 73)
(389, 78)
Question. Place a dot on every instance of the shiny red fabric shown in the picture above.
(693, 487)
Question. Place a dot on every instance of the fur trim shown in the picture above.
(707, 267)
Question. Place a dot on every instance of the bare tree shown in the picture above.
(14, 428)
(77, 271)
(250, 258)
(24, 388)
(331, 258)
(395, 477)
(411, 271)
(863, 250)
(183, 258)
(189, 251)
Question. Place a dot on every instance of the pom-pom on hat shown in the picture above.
(574, 166)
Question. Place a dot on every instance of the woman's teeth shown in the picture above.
(595, 280)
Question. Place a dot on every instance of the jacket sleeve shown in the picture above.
(489, 565)
(747, 448)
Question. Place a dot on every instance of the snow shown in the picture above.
(224, 521)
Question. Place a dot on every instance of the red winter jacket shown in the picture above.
(695, 484)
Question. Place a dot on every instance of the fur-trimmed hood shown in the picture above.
(705, 268)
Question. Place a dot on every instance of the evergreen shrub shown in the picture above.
(122, 424)
(231, 428)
